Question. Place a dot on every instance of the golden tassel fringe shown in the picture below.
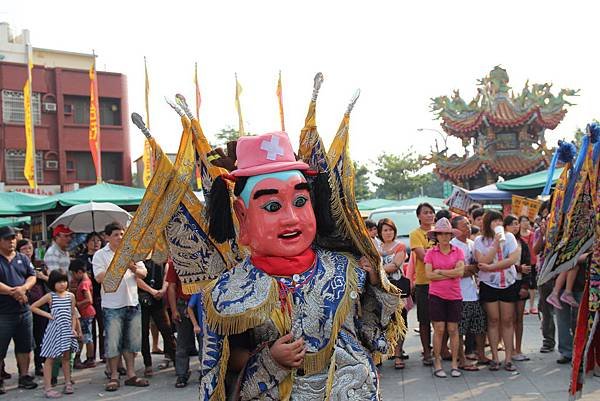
(239, 322)
(330, 377)
(219, 393)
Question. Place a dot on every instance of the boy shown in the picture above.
(84, 301)
(194, 310)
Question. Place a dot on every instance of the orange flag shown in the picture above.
(94, 135)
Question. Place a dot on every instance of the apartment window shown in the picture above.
(82, 163)
(110, 110)
(13, 110)
(14, 161)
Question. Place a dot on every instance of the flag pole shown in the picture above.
(29, 123)
(279, 93)
(238, 106)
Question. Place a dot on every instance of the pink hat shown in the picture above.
(441, 226)
(263, 154)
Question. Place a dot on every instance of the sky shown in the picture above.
(399, 54)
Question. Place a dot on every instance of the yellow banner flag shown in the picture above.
(29, 170)
(147, 155)
(94, 132)
(238, 107)
(279, 93)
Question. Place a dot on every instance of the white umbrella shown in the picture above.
(92, 216)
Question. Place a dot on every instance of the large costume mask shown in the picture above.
(274, 208)
(275, 214)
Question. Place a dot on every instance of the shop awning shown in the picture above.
(529, 181)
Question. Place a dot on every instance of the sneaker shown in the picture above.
(553, 300)
(567, 298)
(26, 382)
(546, 349)
(563, 360)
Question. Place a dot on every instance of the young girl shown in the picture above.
(60, 338)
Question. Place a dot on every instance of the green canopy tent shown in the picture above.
(13, 203)
(534, 181)
(372, 204)
(14, 221)
(435, 202)
(104, 192)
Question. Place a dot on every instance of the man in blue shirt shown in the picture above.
(17, 276)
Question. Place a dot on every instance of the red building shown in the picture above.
(61, 118)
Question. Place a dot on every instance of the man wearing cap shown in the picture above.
(17, 276)
(57, 256)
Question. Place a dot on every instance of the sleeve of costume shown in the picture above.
(377, 313)
(213, 364)
(262, 376)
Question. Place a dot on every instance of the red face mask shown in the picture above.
(279, 219)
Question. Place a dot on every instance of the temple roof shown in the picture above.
(493, 106)
(458, 169)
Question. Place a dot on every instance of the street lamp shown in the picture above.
(442, 135)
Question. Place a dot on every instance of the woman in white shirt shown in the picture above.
(497, 254)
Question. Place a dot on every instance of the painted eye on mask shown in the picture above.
(300, 201)
(272, 206)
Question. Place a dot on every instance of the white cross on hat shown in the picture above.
(272, 147)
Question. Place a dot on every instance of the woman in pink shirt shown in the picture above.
(444, 266)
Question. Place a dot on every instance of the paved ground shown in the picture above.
(538, 379)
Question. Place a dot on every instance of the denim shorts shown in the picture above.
(17, 327)
(86, 329)
(123, 328)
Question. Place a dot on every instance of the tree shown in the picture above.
(361, 182)
(400, 178)
(227, 135)
(396, 173)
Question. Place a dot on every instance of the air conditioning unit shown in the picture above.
(51, 164)
(50, 107)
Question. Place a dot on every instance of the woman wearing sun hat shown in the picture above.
(444, 265)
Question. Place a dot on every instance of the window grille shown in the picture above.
(14, 161)
(13, 110)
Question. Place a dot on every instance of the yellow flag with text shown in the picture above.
(29, 170)
(147, 155)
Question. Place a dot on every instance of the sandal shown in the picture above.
(455, 372)
(112, 385)
(148, 372)
(136, 382)
(509, 367)
(494, 366)
(165, 364)
(469, 368)
(428, 361)
(68, 389)
(440, 373)
(52, 394)
(399, 363)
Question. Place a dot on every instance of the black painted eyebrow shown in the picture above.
(302, 185)
(263, 192)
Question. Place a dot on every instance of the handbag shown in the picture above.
(145, 298)
(403, 284)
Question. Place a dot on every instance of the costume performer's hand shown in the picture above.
(288, 353)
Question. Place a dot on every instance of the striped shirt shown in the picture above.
(56, 258)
